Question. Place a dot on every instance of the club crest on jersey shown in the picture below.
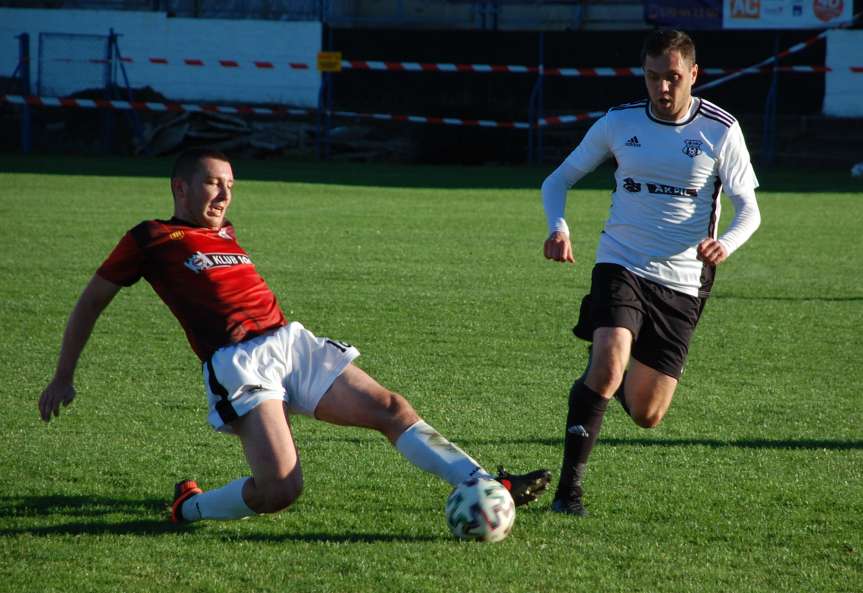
(692, 148)
(200, 262)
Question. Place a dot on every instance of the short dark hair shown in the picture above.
(661, 41)
(187, 161)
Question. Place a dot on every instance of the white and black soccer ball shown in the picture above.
(480, 509)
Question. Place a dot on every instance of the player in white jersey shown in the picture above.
(658, 252)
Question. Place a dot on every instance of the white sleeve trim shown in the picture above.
(747, 218)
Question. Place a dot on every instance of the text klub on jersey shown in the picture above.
(200, 262)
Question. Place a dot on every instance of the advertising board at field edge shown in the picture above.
(786, 14)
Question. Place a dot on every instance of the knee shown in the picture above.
(399, 415)
(647, 419)
(605, 377)
(399, 407)
(279, 495)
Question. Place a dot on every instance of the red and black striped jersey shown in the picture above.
(207, 280)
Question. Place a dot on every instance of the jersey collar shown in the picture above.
(181, 222)
(694, 108)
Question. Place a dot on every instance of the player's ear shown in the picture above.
(694, 72)
(178, 188)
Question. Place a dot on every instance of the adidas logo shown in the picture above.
(578, 430)
(633, 142)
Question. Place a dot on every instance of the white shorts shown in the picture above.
(289, 364)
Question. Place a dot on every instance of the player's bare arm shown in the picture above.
(558, 247)
(61, 391)
(712, 252)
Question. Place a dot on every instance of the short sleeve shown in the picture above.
(124, 265)
(735, 168)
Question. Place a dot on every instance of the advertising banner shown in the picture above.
(684, 14)
(786, 14)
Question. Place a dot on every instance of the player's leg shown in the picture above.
(356, 399)
(276, 479)
(610, 317)
(588, 402)
(268, 442)
(659, 354)
(646, 394)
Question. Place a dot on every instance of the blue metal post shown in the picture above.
(131, 114)
(768, 139)
(534, 109)
(107, 114)
(24, 73)
(325, 104)
(540, 98)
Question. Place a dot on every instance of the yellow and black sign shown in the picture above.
(329, 61)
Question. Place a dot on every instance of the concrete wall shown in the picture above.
(843, 91)
(68, 66)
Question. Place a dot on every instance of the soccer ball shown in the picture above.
(480, 509)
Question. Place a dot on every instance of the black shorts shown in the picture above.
(661, 320)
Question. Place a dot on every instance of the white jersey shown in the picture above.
(667, 184)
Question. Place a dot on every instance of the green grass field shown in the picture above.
(753, 483)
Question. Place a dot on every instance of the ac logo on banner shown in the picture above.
(745, 9)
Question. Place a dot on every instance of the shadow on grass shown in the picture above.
(781, 180)
(337, 538)
(81, 506)
(25, 508)
(778, 444)
(800, 299)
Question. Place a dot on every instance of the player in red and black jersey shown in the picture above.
(258, 368)
(203, 275)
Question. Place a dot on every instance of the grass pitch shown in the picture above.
(753, 483)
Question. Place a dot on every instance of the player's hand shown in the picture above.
(558, 247)
(58, 392)
(712, 252)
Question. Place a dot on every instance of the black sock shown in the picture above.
(586, 411)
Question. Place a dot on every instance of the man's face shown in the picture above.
(669, 79)
(203, 200)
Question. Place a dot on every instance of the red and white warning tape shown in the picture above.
(445, 67)
(70, 102)
(441, 121)
(564, 72)
(196, 62)
(764, 65)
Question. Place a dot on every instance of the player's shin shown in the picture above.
(427, 449)
(583, 422)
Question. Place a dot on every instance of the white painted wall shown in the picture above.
(843, 89)
(145, 35)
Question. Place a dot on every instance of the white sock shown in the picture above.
(222, 503)
(423, 446)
